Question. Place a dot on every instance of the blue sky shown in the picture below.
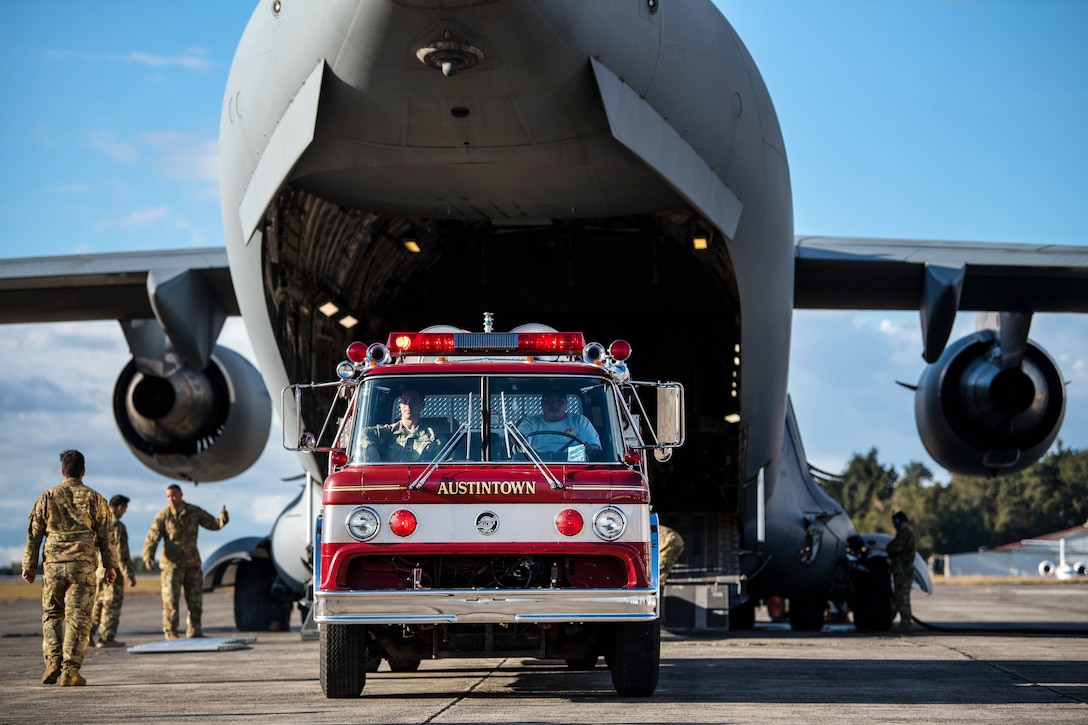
(920, 119)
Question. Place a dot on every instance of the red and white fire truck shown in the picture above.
(487, 496)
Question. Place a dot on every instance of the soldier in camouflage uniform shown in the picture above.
(670, 546)
(177, 526)
(106, 615)
(75, 522)
(901, 551)
(405, 440)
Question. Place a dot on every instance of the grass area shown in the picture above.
(145, 584)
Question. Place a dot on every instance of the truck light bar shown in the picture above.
(510, 343)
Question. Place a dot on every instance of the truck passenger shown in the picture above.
(406, 439)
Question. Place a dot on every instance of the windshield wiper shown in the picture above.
(532, 455)
(442, 455)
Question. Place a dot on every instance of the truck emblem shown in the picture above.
(487, 523)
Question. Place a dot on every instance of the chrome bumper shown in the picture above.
(485, 606)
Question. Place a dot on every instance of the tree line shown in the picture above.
(967, 513)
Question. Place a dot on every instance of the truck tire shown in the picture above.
(636, 658)
(343, 660)
(255, 609)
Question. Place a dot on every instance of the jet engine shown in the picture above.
(982, 410)
(1046, 568)
(195, 425)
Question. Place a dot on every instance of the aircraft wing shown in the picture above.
(118, 286)
(891, 274)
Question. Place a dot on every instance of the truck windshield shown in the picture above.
(417, 418)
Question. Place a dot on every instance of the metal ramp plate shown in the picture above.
(197, 644)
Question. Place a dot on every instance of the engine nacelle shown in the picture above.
(1046, 568)
(195, 425)
(977, 418)
(1080, 568)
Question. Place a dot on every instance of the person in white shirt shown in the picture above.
(556, 430)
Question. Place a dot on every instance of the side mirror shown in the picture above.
(670, 414)
(307, 442)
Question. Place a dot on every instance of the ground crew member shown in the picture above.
(75, 522)
(901, 551)
(106, 615)
(670, 548)
(177, 526)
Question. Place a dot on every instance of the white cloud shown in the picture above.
(196, 59)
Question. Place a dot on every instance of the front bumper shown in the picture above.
(437, 606)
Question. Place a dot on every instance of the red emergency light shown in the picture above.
(465, 343)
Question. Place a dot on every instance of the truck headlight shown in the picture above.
(363, 523)
(609, 523)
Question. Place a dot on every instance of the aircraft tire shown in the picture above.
(581, 664)
(343, 660)
(742, 618)
(872, 604)
(255, 609)
(807, 613)
(403, 664)
(636, 658)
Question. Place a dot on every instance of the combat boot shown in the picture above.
(108, 643)
(52, 672)
(72, 678)
(170, 635)
(903, 627)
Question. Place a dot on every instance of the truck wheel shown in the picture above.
(872, 603)
(255, 609)
(636, 658)
(343, 660)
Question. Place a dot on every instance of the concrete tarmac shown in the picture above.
(1007, 653)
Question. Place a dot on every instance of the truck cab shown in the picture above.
(487, 496)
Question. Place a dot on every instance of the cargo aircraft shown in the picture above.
(614, 167)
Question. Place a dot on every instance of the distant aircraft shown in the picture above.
(613, 166)
(1063, 569)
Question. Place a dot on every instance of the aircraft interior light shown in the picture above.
(328, 309)
(348, 322)
(732, 418)
(699, 243)
(411, 246)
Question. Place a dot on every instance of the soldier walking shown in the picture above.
(106, 615)
(901, 551)
(177, 526)
(75, 522)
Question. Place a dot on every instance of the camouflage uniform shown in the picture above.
(106, 615)
(181, 563)
(75, 522)
(670, 546)
(395, 442)
(901, 551)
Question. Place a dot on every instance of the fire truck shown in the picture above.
(487, 496)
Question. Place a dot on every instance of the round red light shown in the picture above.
(338, 458)
(356, 352)
(620, 350)
(569, 522)
(402, 522)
